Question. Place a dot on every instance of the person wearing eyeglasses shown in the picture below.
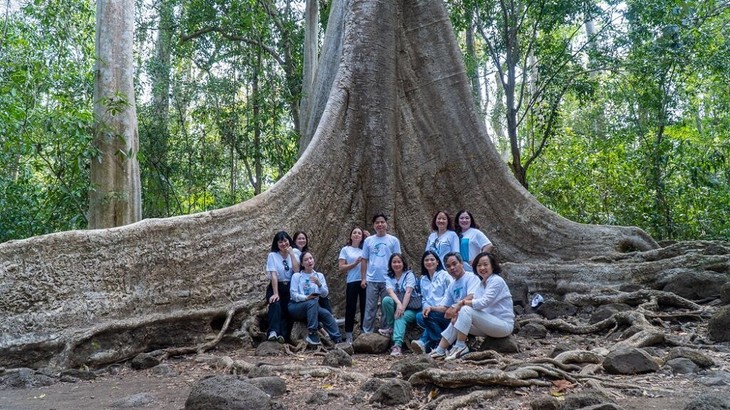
(280, 266)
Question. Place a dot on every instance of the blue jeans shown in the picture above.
(313, 313)
(432, 327)
(277, 317)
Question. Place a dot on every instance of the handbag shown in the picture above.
(415, 302)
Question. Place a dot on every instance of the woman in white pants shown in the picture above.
(488, 312)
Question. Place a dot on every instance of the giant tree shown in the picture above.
(114, 195)
(397, 133)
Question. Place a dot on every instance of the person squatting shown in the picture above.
(457, 292)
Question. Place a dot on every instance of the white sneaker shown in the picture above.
(418, 347)
(457, 352)
(272, 336)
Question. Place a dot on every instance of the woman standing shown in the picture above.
(399, 286)
(300, 243)
(472, 240)
(307, 287)
(488, 312)
(280, 265)
(434, 282)
(349, 262)
(442, 239)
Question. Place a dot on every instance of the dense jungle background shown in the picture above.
(611, 112)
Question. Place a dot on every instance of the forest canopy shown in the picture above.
(608, 112)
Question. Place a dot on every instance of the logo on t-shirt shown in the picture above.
(380, 249)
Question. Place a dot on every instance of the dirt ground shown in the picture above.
(143, 389)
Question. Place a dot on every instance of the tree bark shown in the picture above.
(115, 194)
(311, 46)
(397, 133)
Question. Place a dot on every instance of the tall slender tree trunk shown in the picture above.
(311, 46)
(115, 194)
(157, 189)
(473, 66)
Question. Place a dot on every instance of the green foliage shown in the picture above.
(45, 118)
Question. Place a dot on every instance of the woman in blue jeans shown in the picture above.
(307, 286)
(434, 282)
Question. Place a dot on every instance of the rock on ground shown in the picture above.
(226, 392)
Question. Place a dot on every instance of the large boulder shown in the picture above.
(693, 284)
(629, 360)
(719, 325)
(413, 364)
(553, 309)
(709, 402)
(371, 343)
(226, 392)
(394, 392)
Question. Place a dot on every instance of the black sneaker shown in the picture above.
(313, 339)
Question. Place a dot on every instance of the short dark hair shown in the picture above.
(376, 216)
(496, 269)
(349, 238)
(390, 261)
(457, 227)
(277, 237)
(457, 255)
(439, 266)
(294, 239)
(449, 222)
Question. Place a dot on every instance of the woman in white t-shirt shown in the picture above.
(281, 264)
(349, 263)
(400, 287)
(300, 243)
(472, 241)
(442, 239)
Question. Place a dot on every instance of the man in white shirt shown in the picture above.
(374, 269)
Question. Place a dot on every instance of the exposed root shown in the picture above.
(578, 356)
(633, 298)
(465, 378)
(204, 347)
(315, 371)
(473, 399)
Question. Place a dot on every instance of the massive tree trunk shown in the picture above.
(397, 132)
(115, 194)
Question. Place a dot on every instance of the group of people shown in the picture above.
(468, 296)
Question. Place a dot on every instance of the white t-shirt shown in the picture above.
(302, 286)
(472, 242)
(407, 280)
(467, 284)
(447, 242)
(377, 250)
(434, 290)
(350, 254)
(282, 266)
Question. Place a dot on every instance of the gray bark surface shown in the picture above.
(115, 196)
(398, 133)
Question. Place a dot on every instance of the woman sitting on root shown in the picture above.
(488, 312)
(400, 286)
(307, 286)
